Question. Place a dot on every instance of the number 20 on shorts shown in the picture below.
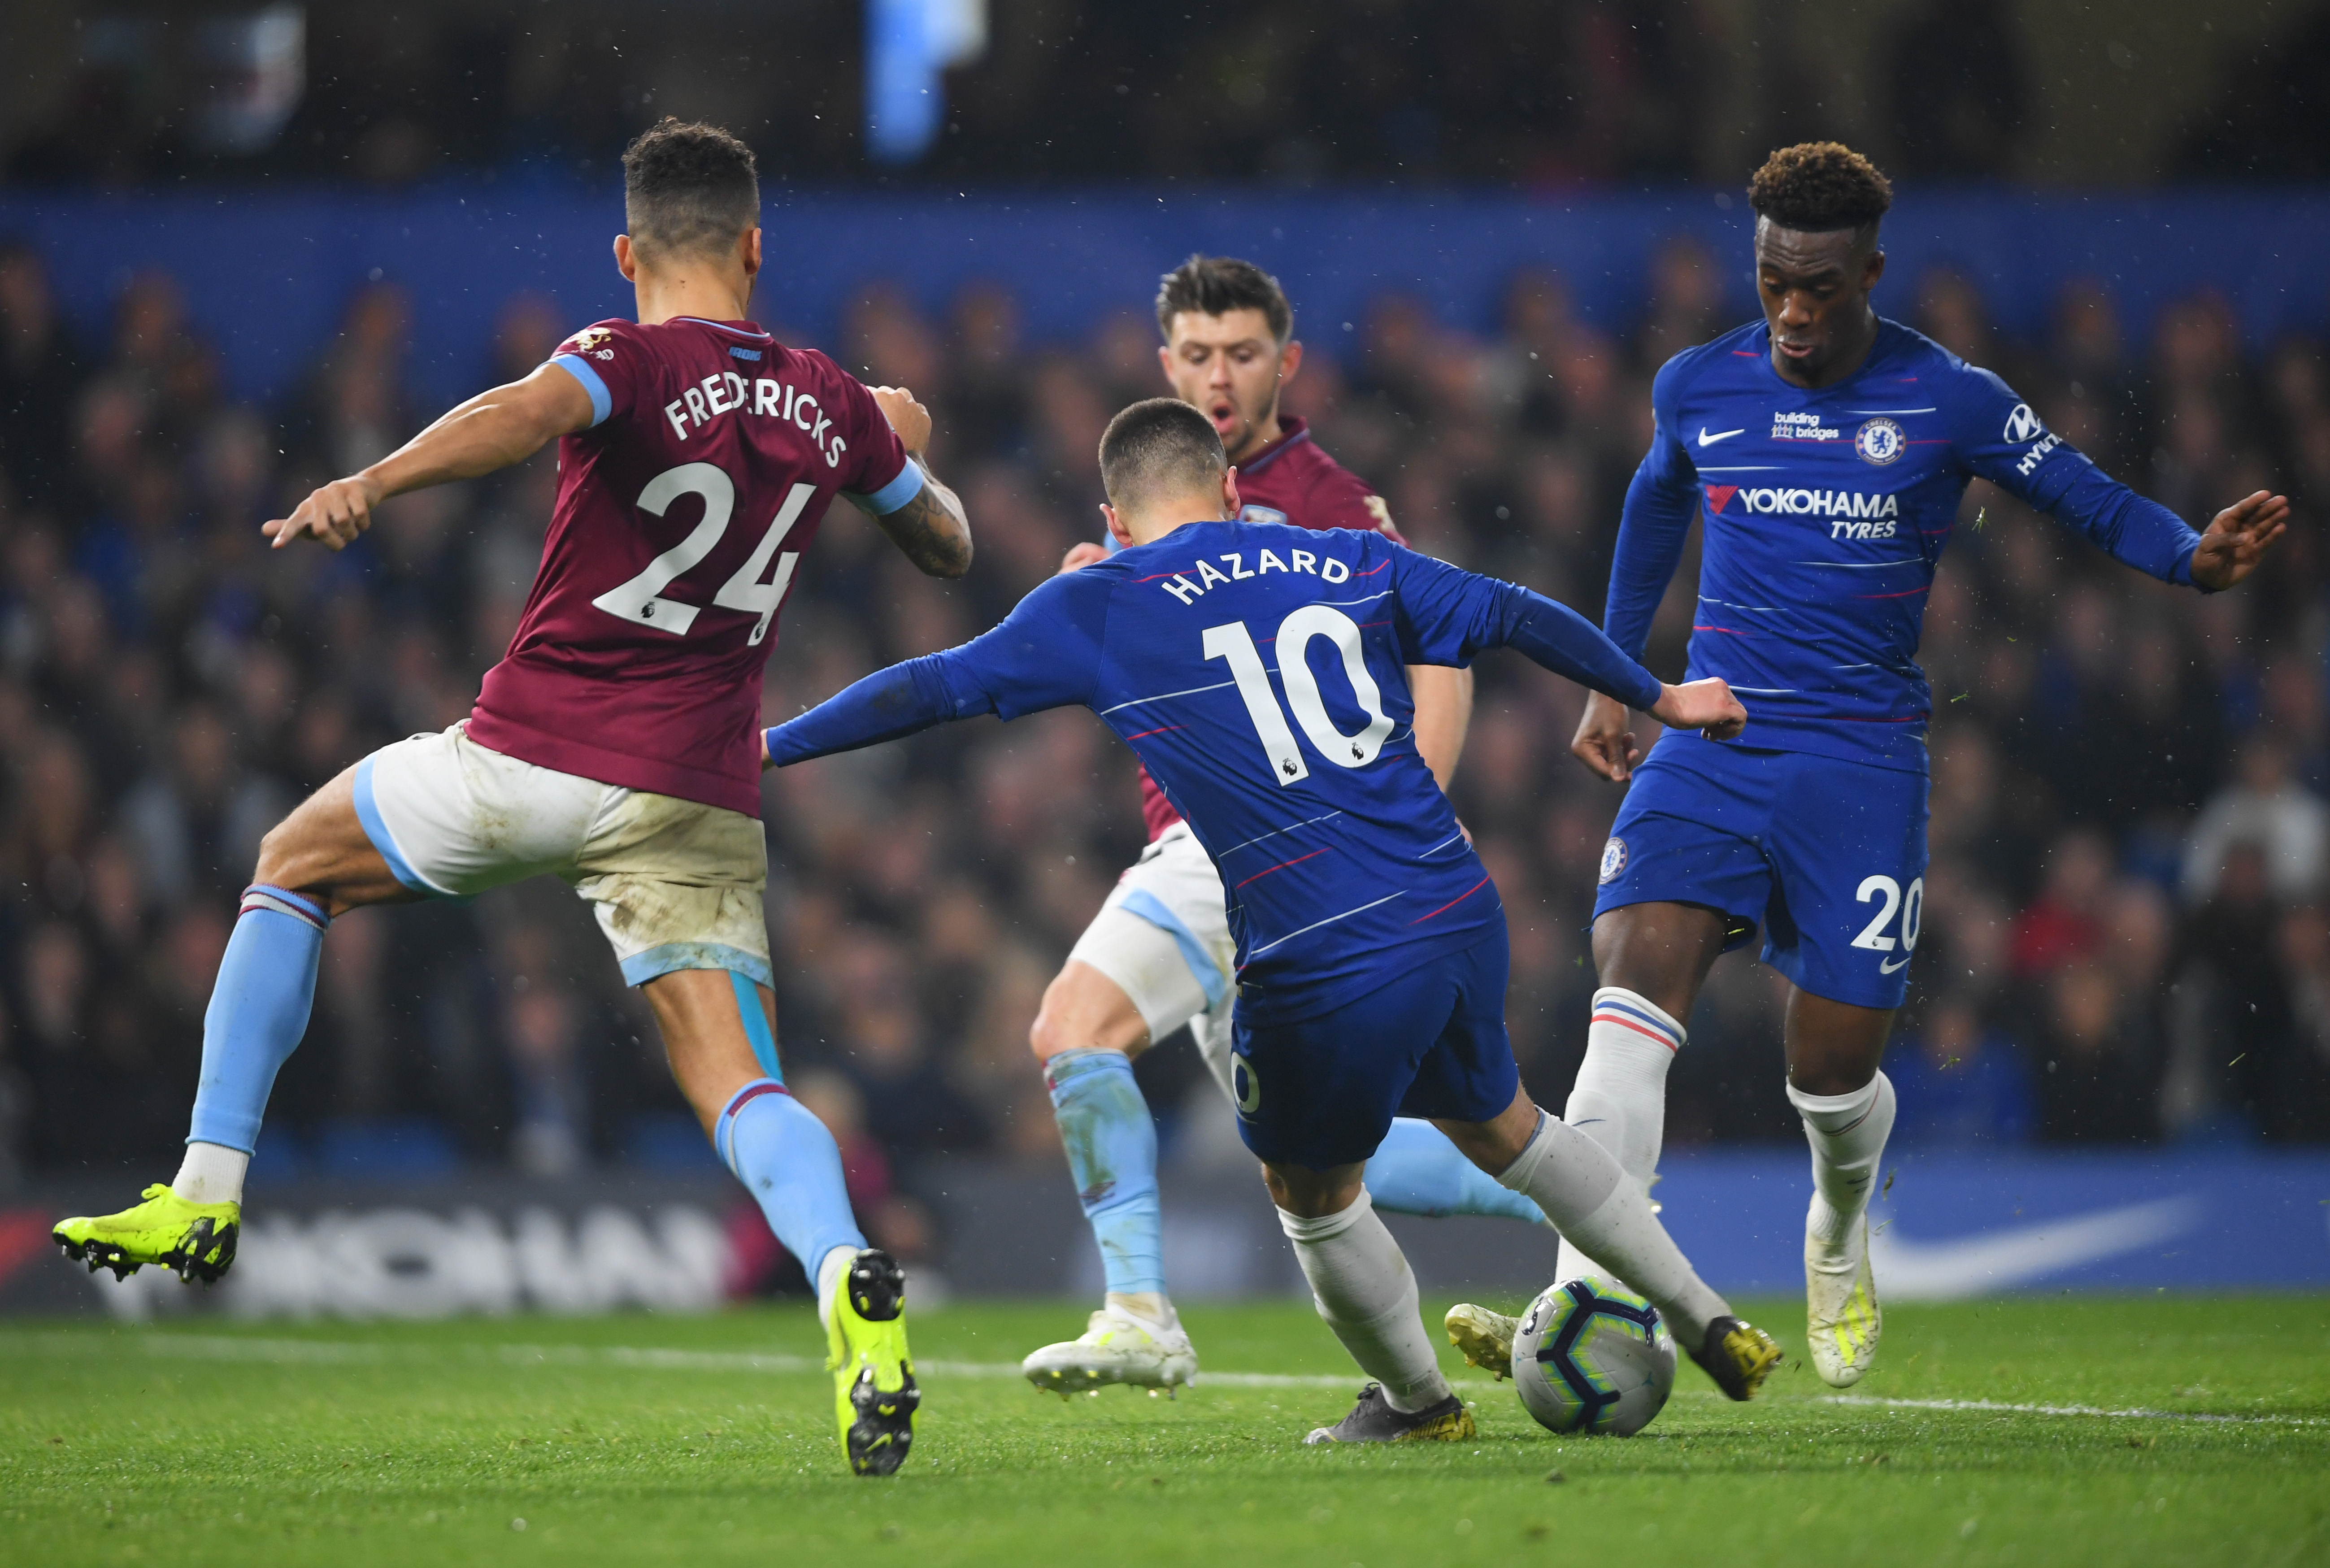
(1910, 905)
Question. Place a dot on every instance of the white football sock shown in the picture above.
(1620, 1099)
(1151, 1307)
(210, 1173)
(830, 1270)
(1586, 1192)
(1848, 1134)
(1364, 1288)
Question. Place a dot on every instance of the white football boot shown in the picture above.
(1115, 1347)
(1841, 1320)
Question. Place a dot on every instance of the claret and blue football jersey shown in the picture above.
(1258, 671)
(1826, 514)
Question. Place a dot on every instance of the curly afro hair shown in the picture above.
(1820, 186)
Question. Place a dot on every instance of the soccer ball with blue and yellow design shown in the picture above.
(1593, 1358)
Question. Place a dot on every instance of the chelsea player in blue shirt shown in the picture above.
(1258, 671)
(1826, 449)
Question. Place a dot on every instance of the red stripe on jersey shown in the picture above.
(1159, 730)
(1452, 902)
(1282, 864)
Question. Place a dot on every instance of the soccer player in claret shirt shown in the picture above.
(1159, 954)
(1259, 671)
(1825, 449)
(615, 746)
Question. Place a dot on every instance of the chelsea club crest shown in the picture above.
(1879, 442)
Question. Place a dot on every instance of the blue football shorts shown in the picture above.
(1322, 1091)
(1829, 856)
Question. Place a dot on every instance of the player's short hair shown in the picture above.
(1819, 187)
(689, 189)
(1217, 285)
(1157, 448)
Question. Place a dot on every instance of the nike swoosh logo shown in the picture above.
(1707, 440)
(1888, 968)
(1991, 1261)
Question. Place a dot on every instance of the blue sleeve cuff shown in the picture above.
(898, 491)
(603, 402)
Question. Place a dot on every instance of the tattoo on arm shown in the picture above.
(931, 529)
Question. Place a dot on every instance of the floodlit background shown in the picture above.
(246, 249)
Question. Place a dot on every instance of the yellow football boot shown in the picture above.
(197, 1239)
(874, 1392)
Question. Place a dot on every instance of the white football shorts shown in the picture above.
(676, 884)
(1164, 938)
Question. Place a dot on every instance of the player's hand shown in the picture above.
(1602, 742)
(2238, 539)
(333, 516)
(1082, 554)
(1707, 706)
(910, 419)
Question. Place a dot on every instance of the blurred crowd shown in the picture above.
(2125, 934)
(1531, 93)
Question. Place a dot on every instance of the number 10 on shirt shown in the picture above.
(1232, 642)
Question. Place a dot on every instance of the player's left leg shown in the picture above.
(1847, 1107)
(1415, 1170)
(1365, 1292)
(1849, 851)
(678, 889)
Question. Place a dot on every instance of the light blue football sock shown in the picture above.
(790, 1165)
(1417, 1171)
(259, 1010)
(1111, 1146)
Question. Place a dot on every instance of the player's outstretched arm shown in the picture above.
(1044, 655)
(2236, 539)
(932, 530)
(492, 430)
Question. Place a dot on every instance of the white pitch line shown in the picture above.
(2002, 1408)
(362, 1352)
(344, 1352)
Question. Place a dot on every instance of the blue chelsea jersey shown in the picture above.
(1826, 512)
(1258, 671)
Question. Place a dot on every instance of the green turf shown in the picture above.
(353, 1444)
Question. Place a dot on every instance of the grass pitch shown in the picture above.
(2178, 1430)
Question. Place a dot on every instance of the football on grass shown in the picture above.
(1593, 1358)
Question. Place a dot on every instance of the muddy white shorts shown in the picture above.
(1164, 939)
(676, 884)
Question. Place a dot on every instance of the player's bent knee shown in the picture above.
(1084, 1009)
(1309, 1195)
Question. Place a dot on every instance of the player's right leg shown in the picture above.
(1684, 879)
(317, 863)
(1851, 849)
